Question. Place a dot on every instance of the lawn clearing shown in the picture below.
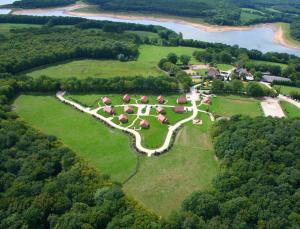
(230, 105)
(283, 66)
(146, 65)
(286, 90)
(289, 109)
(107, 149)
(163, 182)
(6, 27)
(225, 67)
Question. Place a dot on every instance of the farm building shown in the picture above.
(128, 109)
(144, 99)
(106, 100)
(213, 72)
(181, 100)
(160, 110)
(179, 109)
(160, 99)
(126, 98)
(163, 119)
(123, 118)
(144, 124)
(109, 110)
(270, 79)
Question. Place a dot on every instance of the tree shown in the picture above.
(172, 57)
(255, 89)
(225, 57)
(237, 86)
(217, 86)
(185, 59)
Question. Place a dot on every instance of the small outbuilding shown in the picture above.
(106, 100)
(160, 99)
(163, 119)
(181, 100)
(206, 100)
(144, 99)
(128, 109)
(109, 110)
(126, 98)
(179, 109)
(123, 118)
(160, 110)
(144, 124)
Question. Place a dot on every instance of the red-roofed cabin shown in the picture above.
(126, 98)
(179, 109)
(109, 110)
(206, 100)
(163, 119)
(144, 99)
(123, 118)
(144, 124)
(160, 99)
(181, 100)
(106, 101)
(160, 110)
(128, 109)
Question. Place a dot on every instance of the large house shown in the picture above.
(144, 124)
(242, 73)
(213, 72)
(270, 79)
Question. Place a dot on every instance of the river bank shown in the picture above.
(88, 11)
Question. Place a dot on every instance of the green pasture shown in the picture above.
(290, 110)
(286, 90)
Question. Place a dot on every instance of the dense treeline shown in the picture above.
(259, 187)
(44, 185)
(42, 3)
(295, 30)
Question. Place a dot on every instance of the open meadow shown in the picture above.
(145, 65)
(286, 90)
(290, 110)
(229, 105)
(161, 182)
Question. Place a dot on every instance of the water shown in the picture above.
(260, 38)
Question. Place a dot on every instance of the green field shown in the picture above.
(146, 65)
(286, 90)
(248, 16)
(6, 27)
(290, 110)
(283, 66)
(161, 183)
(225, 67)
(232, 105)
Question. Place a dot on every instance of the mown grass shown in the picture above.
(230, 105)
(290, 110)
(286, 90)
(146, 65)
(6, 27)
(161, 184)
(225, 67)
(283, 66)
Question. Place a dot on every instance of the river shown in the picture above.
(260, 37)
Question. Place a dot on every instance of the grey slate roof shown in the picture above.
(270, 79)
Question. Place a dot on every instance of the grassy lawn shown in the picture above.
(290, 109)
(231, 105)
(286, 90)
(248, 16)
(146, 65)
(6, 27)
(283, 66)
(161, 183)
(92, 140)
(225, 67)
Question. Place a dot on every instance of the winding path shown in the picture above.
(138, 139)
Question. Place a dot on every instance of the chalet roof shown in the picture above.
(160, 99)
(206, 100)
(108, 109)
(126, 98)
(162, 118)
(181, 100)
(106, 100)
(144, 123)
(179, 109)
(144, 99)
(160, 109)
(123, 118)
(128, 109)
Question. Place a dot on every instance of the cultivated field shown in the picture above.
(286, 90)
(146, 65)
(161, 183)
